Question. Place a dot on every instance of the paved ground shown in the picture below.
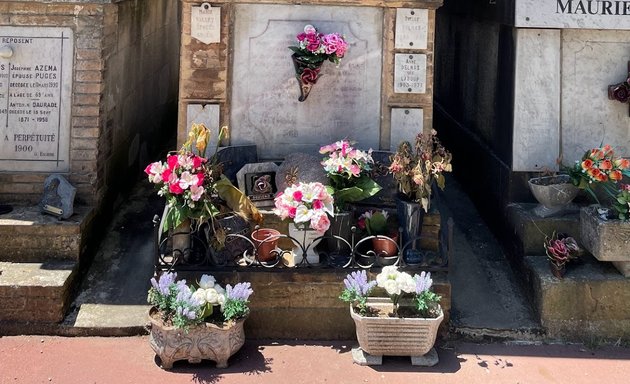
(37, 359)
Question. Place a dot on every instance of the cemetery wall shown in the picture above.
(122, 80)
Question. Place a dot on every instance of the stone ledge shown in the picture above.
(531, 229)
(592, 301)
(35, 291)
(30, 236)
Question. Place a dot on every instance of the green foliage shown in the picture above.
(348, 190)
(353, 297)
(427, 303)
(235, 309)
(622, 205)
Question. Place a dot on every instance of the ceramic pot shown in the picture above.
(266, 241)
(205, 341)
(385, 246)
(554, 193)
(308, 238)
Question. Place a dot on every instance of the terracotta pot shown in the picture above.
(385, 246)
(205, 341)
(266, 241)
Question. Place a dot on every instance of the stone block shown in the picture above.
(607, 240)
(592, 301)
(531, 229)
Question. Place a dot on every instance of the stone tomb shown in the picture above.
(249, 77)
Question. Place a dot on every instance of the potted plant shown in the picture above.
(385, 240)
(196, 192)
(312, 51)
(196, 323)
(394, 326)
(348, 170)
(416, 169)
(308, 206)
(560, 249)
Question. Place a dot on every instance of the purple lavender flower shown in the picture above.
(163, 285)
(240, 291)
(357, 281)
(423, 282)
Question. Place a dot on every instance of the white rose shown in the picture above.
(389, 272)
(392, 287)
(406, 283)
(212, 296)
(200, 296)
(206, 281)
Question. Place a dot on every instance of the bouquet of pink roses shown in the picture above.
(307, 204)
(315, 47)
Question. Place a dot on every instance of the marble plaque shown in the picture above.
(580, 14)
(258, 181)
(345, 102)
(35, 98)
(205, 23)
(412, 28)
(410, 73)
(207, 115)
(596, 59)
(536, 138)
(406, 123)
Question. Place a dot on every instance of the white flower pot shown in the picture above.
(306, 237)
(394, 336)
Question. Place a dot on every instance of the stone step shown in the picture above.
(36, 292)
(591, 302)
(30, 236)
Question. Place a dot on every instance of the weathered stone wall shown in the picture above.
(125, 76)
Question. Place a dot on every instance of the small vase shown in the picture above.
(554, 193)
(557, 271)
(410, 218)
(266, 241)
(340, 226)
(308, 238)
(181, 239)
(306, 75)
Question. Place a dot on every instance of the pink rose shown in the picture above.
(172, 161)
(312, 42)
(320, 223)
(175, 189)
(334, 43)
(297, 196)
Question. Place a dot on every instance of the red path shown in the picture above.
(37, 359)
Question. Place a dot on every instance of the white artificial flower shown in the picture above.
(406, 282)
(392, 287)
(221, 300)
(302, 214)
(212, 296)
(200, 296)
(206, 281)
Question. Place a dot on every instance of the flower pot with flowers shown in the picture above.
(308, 206)
(384, 235)
(560, 250)
(196, 192)
(404, 324)
(417, 169)
(603, 228)
(312, 51)
(348, 171)
(196, 323)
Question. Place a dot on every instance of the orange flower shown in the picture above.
(602, 177)
(615, 175)
(587, 164)
(606, 165)
(608, 150)
(594, 173)
(622, 163)
(596, 154)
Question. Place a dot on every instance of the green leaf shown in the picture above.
(236, 200)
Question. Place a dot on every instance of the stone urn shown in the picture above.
(554, 193)
(395, 336)
(205, 341)
(606, 240)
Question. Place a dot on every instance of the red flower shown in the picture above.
(166, 175)
(172, 161)
(197, 161)
(615, 175)
(175, 189)
(292, 212)
(602, 177)
(297, 196)
(361, 223)
(606, 165)
(587, 164)
(200, 177)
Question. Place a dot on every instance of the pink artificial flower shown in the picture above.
(312, 42)
(317, 204)
(334, 43)
(187, 179)
(624, 187)
(309, 29)
(200, 178)
(297, 196)
(175, 189)
(320, 222)
(166, 175)
(198, 161)
(292, 212)
(196, 192)
(172, 161)
(355, 169)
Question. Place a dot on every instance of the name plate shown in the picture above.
(412, 28)
(206, 23)
(580, 14)
(410, 73)
(35, 98)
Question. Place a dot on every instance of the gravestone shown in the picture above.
(258, 182)
(412, 28)
(36, 66)
(300, 167)
(234, 157)
(406, 124)
(345, 102)
(58, 198)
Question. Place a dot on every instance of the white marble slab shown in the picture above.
(591, 61)
(412, 28)
(410, 73)
(205, 23)
(345, 102)
(582, 14)
(207, 115)
(536, 139)
(406, 123)
(35, 98)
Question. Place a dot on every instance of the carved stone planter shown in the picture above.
(606, 240)
(393, 336)
(554, 193)
(205, 341)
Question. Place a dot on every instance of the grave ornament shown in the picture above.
(58, 198)
(257, 181)
(621, 91)
(300, 168)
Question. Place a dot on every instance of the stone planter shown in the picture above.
(606, 240)
(205, 341)
(393, 336)
(554, 193)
